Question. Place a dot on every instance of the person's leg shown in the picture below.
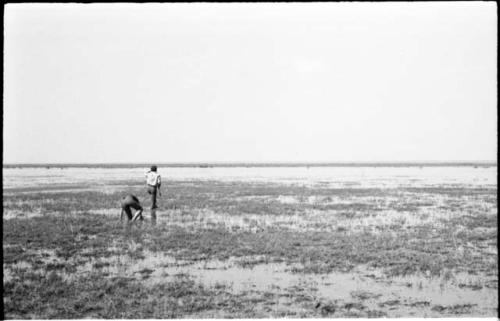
(153, 198)
(127, 211)
(152, 192)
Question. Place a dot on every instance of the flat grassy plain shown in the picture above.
(250, 249)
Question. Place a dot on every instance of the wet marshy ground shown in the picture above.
(398, 246)
(362, 290)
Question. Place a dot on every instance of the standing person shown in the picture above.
(153, 181)
(127, 203)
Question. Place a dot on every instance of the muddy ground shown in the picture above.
(229, 249)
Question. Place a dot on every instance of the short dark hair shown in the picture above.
(153, 168)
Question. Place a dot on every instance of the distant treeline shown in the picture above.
(282, 164)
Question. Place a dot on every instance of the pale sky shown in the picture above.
(262, 82)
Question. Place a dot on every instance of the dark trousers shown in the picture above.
(153, 190)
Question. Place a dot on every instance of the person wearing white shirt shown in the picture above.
(153, 181)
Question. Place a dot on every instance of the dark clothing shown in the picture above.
(128, 202)
(153, 190)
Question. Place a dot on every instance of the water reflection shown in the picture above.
(153, 216)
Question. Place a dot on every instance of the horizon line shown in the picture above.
(252, 163)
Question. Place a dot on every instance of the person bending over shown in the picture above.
(128, 203)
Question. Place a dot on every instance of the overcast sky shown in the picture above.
(250, 82)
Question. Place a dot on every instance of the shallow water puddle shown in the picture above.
(404, 295)
(399, 296)
(364, 288)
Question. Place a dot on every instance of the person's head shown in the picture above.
(153, 168)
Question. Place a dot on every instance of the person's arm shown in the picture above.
(137, 215)
(159, 185)
(121, 215)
